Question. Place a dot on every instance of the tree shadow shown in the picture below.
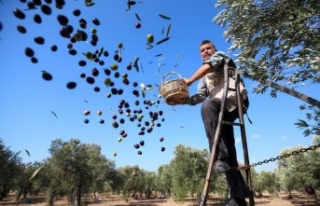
(304, 200)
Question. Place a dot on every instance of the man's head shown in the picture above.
(207, 48)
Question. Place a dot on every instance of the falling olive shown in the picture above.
(31, 5)
(63, 20)
(22, 29)
(96, 21)
(60, 3)
(39, 40)
(106, 53)
(46, 9)
(90, 80)
(77, 12)
(54, 48)
(96, 89)
(37, 18)
(46, 76)
(29, 52)
(82, 63)
(37, 2)
(71, 85)
(34, 60)
(73, 52)
(64, 32)
(19, 14)
(95, 72)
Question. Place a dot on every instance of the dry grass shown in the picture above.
(213, 200)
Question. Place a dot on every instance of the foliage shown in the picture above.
(164, 179)
(278, 46)
(71, 162)
(80, 166)
(297, 171)
(10, 164)
(191, 163)
(265, 181)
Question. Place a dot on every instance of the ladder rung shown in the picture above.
(232, 123)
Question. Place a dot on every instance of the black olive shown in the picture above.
(19, 14)
(95, 21)
(63, 20)
(37, 18)
(77, 12)
(39, 40)
(22, 29)
(54, 48)
(71, 85)
(90, 80)
(46, 9)
(29, 52)
(46, 76)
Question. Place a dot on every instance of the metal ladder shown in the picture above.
(217, 137)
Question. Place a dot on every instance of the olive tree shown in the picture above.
(190, 163)
(81, 166)
(278, 45)
(11, 168)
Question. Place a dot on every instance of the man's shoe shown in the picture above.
(220, 167)
(231, 202)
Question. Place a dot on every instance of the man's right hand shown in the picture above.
(187, 81)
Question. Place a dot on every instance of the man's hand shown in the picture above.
(187, 81)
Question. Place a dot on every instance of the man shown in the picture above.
(211, 83)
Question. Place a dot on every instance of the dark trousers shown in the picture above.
(227, 152)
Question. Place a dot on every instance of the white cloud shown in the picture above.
(255, 136)
(237, 140)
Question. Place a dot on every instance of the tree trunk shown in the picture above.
(77, 196)
(289, 91)
(19, 194)
(4, 193)
(51, 195)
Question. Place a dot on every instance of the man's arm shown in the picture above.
(201, 94)
(201, 72)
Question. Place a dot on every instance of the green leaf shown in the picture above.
(164, 17)
(35, 172)
(135, 63)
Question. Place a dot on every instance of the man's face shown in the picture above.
(206, 51)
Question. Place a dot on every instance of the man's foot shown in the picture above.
(236, 202)
(231, 202)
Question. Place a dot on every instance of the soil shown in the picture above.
(214, 200)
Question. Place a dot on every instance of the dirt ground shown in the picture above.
(213, 200)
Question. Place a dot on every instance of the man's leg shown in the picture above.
(236, 183)
(227, 153)
(210, 115)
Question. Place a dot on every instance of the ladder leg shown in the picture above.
(215, 146)
(244, 139)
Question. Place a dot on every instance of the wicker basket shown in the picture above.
(174, 91)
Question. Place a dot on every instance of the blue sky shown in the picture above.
(26, 121)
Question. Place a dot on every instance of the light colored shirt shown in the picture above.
(212, 84)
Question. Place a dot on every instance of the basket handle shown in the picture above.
(167, 74)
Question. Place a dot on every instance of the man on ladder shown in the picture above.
(211, 84)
